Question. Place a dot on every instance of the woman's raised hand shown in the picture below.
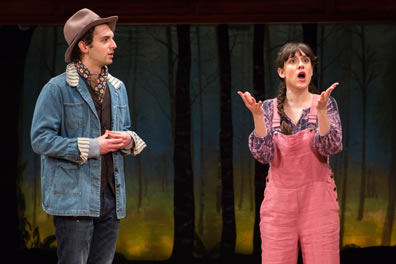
(324, 97)
(254, 107)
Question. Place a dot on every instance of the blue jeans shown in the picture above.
(83, 239)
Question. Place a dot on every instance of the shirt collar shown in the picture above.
(72, 77)
(86, 74)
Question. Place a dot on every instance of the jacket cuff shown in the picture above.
(83, 147)
(139, 144)
(131, 143)
(94, 151)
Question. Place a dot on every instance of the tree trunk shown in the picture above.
(364, 85)
(133, 35)
(310, 37)
(171, 72)
(390, 211)
(171, 87)
(345, 118)
(183, 180)
(202, 182)
(261, 170)
(14, 70)
(228, 235)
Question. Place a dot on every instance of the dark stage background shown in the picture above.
(193, 194)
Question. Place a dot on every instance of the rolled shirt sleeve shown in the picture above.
(330, 143)
(262, 148)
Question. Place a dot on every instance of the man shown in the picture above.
(81, 129)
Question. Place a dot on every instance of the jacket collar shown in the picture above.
(73, 78)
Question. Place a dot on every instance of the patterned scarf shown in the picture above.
(100, 81)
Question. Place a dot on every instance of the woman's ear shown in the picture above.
(281, 73)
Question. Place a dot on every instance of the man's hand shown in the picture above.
(108, 143)
(123, 136)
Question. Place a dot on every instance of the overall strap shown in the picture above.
(275, 117)
(313, 111)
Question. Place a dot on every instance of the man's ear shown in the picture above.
(83, 47)
(281, 73)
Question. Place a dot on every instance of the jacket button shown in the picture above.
(335, 188)
(116, 169)
(332, 176)
(118, 185)
(267, 180)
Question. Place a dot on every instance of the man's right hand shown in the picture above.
(107, 145)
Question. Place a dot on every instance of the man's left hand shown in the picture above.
(124, 136)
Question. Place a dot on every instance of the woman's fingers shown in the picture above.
(331, 89)
(250, 102)
(324, 96)
(247, 98)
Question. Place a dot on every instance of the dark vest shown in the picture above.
(104, 113)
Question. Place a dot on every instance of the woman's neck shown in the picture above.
(298, 98)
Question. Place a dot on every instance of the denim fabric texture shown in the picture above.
(65, 112)
(93, 240)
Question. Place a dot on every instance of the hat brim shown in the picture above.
(111, 21)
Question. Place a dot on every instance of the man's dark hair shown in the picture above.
(87, 38)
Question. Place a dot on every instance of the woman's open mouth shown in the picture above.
(301, 76)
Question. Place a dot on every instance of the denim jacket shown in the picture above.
(64, 117)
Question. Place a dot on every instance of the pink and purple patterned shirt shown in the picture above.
(262, 148)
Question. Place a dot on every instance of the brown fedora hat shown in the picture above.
(79, 23)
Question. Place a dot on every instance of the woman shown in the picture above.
(296, 133)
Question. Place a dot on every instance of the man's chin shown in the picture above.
(108, 62)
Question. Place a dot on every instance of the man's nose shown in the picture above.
(114, 45)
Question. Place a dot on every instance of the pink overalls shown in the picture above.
(300, 200)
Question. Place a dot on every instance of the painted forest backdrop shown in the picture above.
(197, 172)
